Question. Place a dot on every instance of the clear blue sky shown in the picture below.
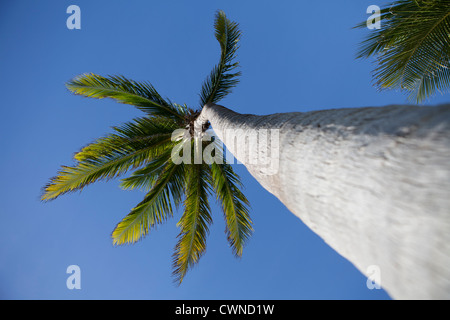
(295, 56)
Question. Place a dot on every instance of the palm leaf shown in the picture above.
(194, 222)
(412, 48)
(156, 207)
(130, 136)
(108, 158)
(140, 94)
(221, 79)
(146, 177)
(234, 205)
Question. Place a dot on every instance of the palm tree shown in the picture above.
(146, 145)
(372, 182)
(412, 47)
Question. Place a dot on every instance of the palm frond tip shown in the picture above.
(412, 48)
(222, 79)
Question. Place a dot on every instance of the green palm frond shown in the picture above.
(139, 94)
(75, 178)
(146, 177)
(194, 222)
(130, 136)
(109, 157)
(221, 79)
(234, 205)
(412, 47)
(156, 207)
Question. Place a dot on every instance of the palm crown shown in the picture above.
(412, 47)
(146, 144)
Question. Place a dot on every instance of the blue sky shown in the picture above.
(294, 55)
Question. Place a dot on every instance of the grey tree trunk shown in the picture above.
(374, 183)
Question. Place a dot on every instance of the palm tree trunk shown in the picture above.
(374, 183)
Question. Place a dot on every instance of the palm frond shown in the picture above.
(130, 136)
(194, 222)
(221, 79)
(146, 177)
(156, 207)
(412, 47)
(140, 94)
(234, 204)
(108, 158)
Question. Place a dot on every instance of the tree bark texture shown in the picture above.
(373, 183)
